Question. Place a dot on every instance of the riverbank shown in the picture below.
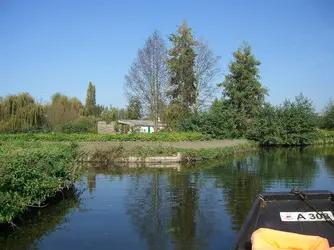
(164, 152)
(32, 173)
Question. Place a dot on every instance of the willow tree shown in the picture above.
(64, 109)
(20, 112)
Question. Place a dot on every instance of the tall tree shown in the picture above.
(206, 71)
(134, 109)
(147, 78)
(181, 64)
(91, 100)
(242, 87)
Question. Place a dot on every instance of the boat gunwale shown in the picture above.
(253, 214)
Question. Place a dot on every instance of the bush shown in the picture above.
(81, 124)
(267, 127)
(71, 128)
(222, 121)
(326, 134)
(160, 136)
(31, 173)
(293, 123)
(328, 117)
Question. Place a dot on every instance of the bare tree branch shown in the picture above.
(207, 70)
(148, 77)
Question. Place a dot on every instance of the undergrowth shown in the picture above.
(58, 137)
(30, 173)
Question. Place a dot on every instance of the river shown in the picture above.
(197, 207)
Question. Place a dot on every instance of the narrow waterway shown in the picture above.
(201, 207)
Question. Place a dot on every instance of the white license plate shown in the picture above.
(306, 216)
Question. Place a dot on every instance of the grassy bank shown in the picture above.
(60, 137)
(30, 173)
(108, 153)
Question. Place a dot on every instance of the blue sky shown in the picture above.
(59, 46)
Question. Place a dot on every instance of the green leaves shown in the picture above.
(242, 87)
(222, 121)
(181, 64)
(328, 116)
(292, 123)
(31, 173)
(20, 139)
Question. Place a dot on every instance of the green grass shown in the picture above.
(30, 173)
(188, 155)
(58, 137)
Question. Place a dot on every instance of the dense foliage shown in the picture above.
(169, 137)
(181, 64)
(242, 88)
(62, 110)
(30, 173)
(74, 128)
(134, 109)
(292, 123)
(20, 113)
(327, 120)
(221, 121)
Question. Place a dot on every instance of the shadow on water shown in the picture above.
(270, 170)
(200, 206)
(38, 223)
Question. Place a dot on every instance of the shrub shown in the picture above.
(31, 173)
(328, 117)
(71, 128)
(267, 127)
(293, 123)
(160, 136)
(221, 121)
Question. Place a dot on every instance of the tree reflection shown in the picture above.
(147, 206)
(325, 154)
(184, 201)
(166, 209)
(48, 219)
(240, 186)
(243, 179)
(91, 181)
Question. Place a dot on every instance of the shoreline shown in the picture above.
(162, 153)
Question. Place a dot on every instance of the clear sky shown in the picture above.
(59, 46)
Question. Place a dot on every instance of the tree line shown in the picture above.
(22, 113)
(177, 85)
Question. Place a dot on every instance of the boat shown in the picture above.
(301, 212)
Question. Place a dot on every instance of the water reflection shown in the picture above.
(271, 169)
(45, 221)
(192, 207)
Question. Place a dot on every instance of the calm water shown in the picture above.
(195, 208)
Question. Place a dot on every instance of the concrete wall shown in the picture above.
(104, 128)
